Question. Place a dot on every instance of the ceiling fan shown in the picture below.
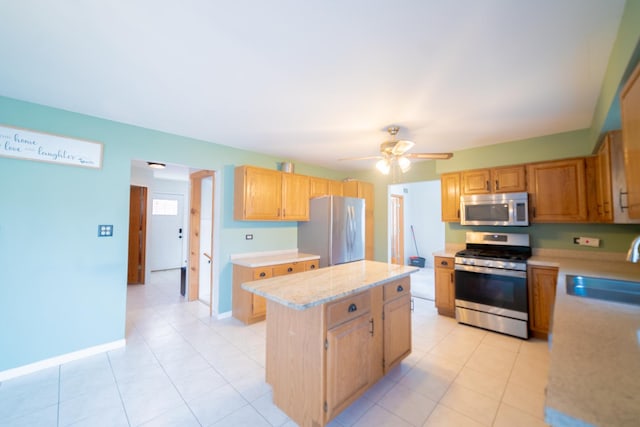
(393, 154)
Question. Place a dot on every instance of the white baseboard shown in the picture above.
(59, 360)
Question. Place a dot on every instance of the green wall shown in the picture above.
(63, 289)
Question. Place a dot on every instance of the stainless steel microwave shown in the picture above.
(507, 209)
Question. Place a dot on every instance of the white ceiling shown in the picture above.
(316, 81)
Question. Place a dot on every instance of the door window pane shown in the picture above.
(164, 207)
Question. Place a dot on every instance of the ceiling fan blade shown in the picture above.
(363, 158)
(436, 156)
(401, 147)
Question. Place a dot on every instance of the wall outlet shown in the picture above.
(587, 241)
(248, 237)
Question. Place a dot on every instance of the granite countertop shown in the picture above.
(450, 250)
(594, 371)
(304, 290)
(263, 259)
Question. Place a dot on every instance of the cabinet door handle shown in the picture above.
(352, 308)
(452, 277)
(488, 186)
(289, 270)
(497, 184)
(445, 263)
(412, 304)
(620, 194)
(371, 330)
(399, 288)
(312, 267)
(263, 274)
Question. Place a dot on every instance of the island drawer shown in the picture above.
(397, 288)
(348, 308)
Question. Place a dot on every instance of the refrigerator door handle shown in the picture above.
(348, 232)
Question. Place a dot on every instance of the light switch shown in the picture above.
(105, 230)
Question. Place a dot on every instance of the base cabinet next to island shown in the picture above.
(321, 359)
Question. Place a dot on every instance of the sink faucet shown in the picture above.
(632, 255)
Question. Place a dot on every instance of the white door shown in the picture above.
(167, 226)
(206, 240)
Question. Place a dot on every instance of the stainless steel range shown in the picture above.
(491, 282)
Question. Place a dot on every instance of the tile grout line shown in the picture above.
(124, 408)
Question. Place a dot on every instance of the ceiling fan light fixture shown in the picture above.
(384, 166)
(404, 163)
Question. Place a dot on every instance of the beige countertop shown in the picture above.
(262, 259)
(594, 371)
(449, 250)
(303, 290)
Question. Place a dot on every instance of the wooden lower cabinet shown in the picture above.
(320, 360)
(397, 323)
(348, 366)
(542, 297)
(445, 286)
(250, 308)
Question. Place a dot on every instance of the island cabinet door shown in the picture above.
(397, 331)
(348, 363)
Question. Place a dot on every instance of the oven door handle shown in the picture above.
(494, 271)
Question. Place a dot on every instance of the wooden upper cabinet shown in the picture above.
(324, 187)
(507, 179)
(295, 197)
(318, 187)
(630, 110)
(510, 179)
(270, 195)
(450, 195)
(557, 191)
(258, 194)
(335, 188)
(476, 181)
(604, 202)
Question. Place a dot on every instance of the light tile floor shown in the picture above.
(182, 368)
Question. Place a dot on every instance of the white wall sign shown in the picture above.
(25, 144)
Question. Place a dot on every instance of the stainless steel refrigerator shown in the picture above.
(335, 230)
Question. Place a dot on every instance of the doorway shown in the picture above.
(201, 232)
(397, 229)
(169, 239)
(421, 210)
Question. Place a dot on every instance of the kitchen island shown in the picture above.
(332, 333)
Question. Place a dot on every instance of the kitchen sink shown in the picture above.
(604, 289)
